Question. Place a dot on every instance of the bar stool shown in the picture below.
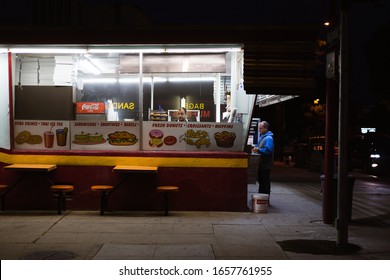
(166, 190)
(105, 190)
(3, 191)
(61, 192)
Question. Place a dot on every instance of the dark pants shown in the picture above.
(264, 180)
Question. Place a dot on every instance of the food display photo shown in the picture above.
(105, 135)
(126, 136)
(122, 138)
(158, 139)
(225, 139)
(86, 138)
(191, 136)
(163, 136)
(41, 135)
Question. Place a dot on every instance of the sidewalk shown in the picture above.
(295, 215)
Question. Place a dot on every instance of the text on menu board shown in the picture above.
(40, 123)
(193, 125)
(113, 124)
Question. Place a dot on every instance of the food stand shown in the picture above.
(129, 120)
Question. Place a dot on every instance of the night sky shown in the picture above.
(203, 11)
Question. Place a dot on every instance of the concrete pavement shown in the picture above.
(295, 215)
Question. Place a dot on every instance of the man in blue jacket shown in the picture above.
(265, 147)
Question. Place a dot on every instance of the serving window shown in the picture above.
(68, 88)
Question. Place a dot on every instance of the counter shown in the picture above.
(208, 181)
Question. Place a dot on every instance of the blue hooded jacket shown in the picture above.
(266, 149)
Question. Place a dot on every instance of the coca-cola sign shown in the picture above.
(90, 107)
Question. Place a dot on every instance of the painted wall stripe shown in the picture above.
(131, 160)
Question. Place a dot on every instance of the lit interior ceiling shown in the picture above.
(38, 68)
(263, 100)
(175, 63)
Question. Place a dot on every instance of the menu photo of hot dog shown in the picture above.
(122, 138)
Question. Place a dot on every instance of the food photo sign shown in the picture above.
(41, 135)
(190, 136)
(90, 135)
(125, 136)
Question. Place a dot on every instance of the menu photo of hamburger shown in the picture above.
(122, 138)
(88, 138)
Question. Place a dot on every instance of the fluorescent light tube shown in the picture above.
(144, 80)
(202, 50)
(126, 51)
(191, 79)
(100, 81)
(47, 50)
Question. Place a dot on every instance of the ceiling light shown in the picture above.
(126, 50)
(202, 50)
(182, 102)
(47, 50)
(185, 65)
(191, 79)
(101, 81)
(87, 66)
(144, 80)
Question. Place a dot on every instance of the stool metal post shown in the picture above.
(61, 191)
(2, 202)
(166, 203)
(3, 192)
(60, 202)
(104, 202)
(166, 190)
(105, 191)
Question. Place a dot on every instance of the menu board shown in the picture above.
(105, 135)
(192, 136)
(90, 135)
(41, 134)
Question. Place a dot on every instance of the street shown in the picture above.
(371, 194)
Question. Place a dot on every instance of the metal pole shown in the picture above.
(329, 191)
(218, 99)
(140, 98)
(342, 187)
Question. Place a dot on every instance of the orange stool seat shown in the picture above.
(62, 192)
(166, 190)
(102, 188)
(3, 192)
(105, 191)
(64, 188)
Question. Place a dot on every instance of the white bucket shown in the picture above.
(260, 203)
